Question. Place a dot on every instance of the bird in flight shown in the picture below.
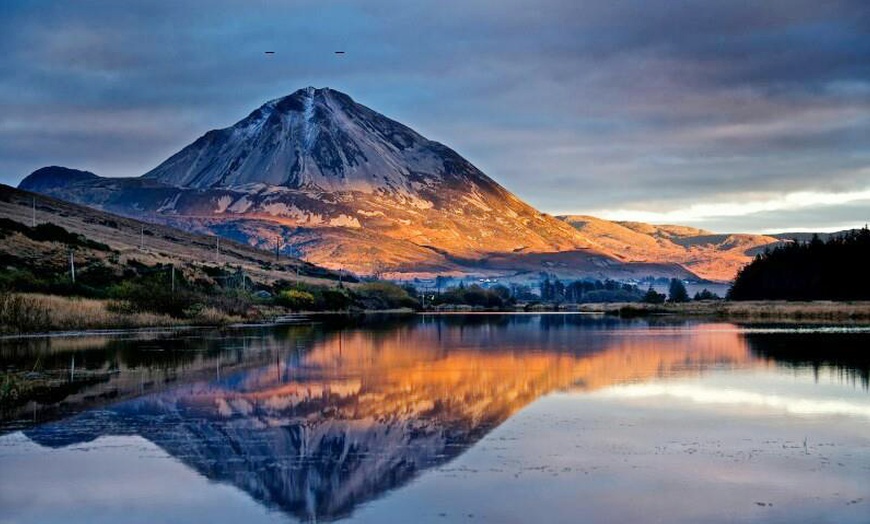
(269, 52)
(339, 52)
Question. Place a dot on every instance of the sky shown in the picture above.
(726, 115)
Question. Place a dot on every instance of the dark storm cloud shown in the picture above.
(574, 105)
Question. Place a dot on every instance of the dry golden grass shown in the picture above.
(21, 313)
(210, 316)
(746, 311)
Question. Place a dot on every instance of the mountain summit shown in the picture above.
(314, 139)
(333, 181)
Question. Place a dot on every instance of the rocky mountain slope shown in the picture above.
(709, 255)
(346, 187)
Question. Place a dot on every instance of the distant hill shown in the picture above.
(128, 240)
(709, 255)
(346, 187)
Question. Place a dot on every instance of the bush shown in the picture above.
(332, 299)
(653, 297)
(706, 294)
(473, 295)
(385, 295)
(296, 300)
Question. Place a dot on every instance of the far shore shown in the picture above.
(738, 311)
(747, 311)
(75, 315)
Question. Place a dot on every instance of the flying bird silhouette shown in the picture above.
(339, 52)
(269, 52)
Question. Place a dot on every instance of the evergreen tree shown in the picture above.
(814, 270)
(706, 294)
(677, 291)
(653, 297)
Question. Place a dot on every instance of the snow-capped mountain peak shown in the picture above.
(310, 139)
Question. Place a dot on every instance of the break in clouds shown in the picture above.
(634, 109)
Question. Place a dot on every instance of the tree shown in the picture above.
(653, 297)
(835, 269)
(677, 291)
(706, 294)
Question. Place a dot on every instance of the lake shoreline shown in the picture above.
(743, 312)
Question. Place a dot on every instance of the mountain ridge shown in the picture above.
(714, 256)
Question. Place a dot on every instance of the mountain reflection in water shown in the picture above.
(315, 421)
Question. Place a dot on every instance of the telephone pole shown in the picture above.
(277, 248)
(72, 266)
(33, 214)
(217, 249)
(142, 238)
(173, 279)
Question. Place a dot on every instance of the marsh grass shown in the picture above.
(764, 310)
(29, 313)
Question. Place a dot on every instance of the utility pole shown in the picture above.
(142, 238)
(72, 266)
(173, 279)
(217, 249)
(33, 214)
(297, 277)
(277, 248)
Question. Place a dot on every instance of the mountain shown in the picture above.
(709, 255)
(47, 178)
(346, 187)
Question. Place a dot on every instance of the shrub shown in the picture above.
(653, 297)
(296, 300)
(385, 295)
(706, 294)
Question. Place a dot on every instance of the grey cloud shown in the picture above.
(817, 218)
(573, 105)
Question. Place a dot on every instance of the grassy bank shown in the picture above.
(762, 310)
(32, 313)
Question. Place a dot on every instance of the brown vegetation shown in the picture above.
(28, 313)
(744, 311)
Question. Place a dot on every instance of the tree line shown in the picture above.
(836, 269)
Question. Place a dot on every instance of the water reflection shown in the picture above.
(844, 354)
(315, 420)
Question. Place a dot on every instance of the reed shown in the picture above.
(28, 313)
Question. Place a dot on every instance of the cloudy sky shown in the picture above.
(728, 115)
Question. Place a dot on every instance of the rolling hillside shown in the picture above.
(708, 255)
(130, 240)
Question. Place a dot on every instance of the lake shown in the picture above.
(442, 418)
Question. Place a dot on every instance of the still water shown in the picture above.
(450, 418)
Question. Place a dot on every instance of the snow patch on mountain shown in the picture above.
(345, 221)
(241, 205)
(168, 205)
(222, 204)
